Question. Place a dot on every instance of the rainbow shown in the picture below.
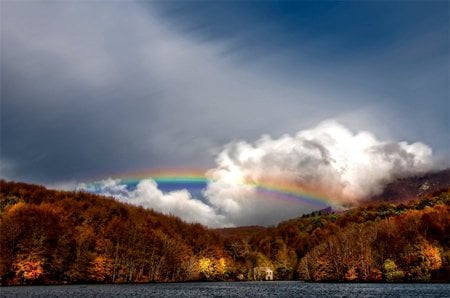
(165, 175)
(276, 189)
(286, 190)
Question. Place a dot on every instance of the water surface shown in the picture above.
(232, 289)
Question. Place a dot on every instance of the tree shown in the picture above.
(220, 267)
(206, 268)
(421, 259)
(84, 254)
(28, 268)
(351, 274)
(391, 272)
(101, 269)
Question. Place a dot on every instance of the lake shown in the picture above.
(232, 289)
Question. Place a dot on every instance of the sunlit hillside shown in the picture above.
(52, 237)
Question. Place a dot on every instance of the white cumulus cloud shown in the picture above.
(147, 194)
(328, 160)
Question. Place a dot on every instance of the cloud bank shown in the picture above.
(329, 159)
(179, 203)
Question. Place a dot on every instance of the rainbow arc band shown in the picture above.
(274, 189)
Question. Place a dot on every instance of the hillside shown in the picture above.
(52, 236)
(414, 187)
(49, 237)
(239, 232)
(398, 191)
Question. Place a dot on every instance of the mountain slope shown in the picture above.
(414, 187)
(49, 236)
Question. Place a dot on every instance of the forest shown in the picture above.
(61, 237)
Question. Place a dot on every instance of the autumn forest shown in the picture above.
(59, 237)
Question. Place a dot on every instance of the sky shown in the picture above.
(285, 107)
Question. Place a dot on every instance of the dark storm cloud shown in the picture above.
(65, 111)
(94, 88)
(396, 53)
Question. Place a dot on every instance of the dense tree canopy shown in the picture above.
(49, 236)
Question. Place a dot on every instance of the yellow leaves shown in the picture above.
(221, 266)
(205, 267)
(392, 273)
(212, 268)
